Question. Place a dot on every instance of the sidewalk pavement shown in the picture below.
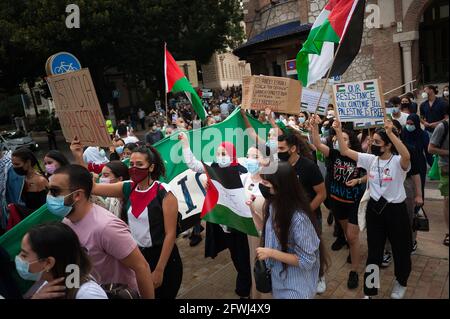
(215, 278)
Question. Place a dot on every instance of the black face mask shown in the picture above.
(265, 191)
(20, 171)
(376, 150)
(284, 156)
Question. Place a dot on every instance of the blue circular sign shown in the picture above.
(63, 62)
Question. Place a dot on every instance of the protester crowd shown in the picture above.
(120, 222)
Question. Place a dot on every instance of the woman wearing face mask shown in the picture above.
(405, 106)
(220, 237)
(292, 122)
(151, 211)
(292, 246)
(386, 215)
(344, 187)
(46, 252)
(116, 149)
(54, 160)
(417, 139)
(113, 172)
(34, 189)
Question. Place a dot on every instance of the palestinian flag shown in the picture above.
(176, 81)
(340, 22)
(369, 86)
(340, 88)
(225, 200)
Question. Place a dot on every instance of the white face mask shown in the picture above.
(224, 161)
(424, 95)
(445, 93)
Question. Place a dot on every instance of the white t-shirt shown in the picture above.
(387, 173)
(130, 139)
(402, 119)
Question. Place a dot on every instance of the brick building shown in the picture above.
(403, 40)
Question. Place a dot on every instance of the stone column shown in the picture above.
(407, 63)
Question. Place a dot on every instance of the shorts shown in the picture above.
(443, 183)
(343, 211)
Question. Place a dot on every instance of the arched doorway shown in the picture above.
(433, 42)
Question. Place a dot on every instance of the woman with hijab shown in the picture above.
(220, 237)
(417, 140)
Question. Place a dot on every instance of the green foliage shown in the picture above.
(126, 34)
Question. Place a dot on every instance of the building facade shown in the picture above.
(403, 40)
(224, 70)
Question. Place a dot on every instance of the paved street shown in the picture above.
(215, 278)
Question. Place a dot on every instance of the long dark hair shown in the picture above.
(26, 155)
(59, 241)
(355, 144)
(385, 138)
(289, 198)
(293, 137)
(153, 157)
(119, 169)
(58, 156)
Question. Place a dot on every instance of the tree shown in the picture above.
(125, 34)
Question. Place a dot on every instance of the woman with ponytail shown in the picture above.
(34, 188)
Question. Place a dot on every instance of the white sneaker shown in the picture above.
(398, 292)
(321, 285)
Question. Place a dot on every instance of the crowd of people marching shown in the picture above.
(120, 222)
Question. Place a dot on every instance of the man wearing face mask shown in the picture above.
(114, 254)
(445, 93)
(154, 134)
(393, 110)
(433, 110)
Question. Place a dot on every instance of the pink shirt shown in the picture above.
(107, 240)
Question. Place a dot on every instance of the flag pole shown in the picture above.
(165, 84)
(327, 78)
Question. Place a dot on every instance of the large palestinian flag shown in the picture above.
(225, 200)
(339, 23)
(176, 81)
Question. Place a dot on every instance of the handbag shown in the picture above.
(263, 277)
(420, 221)
(364, 202)
(120, 291)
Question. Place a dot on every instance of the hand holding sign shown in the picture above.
(337, 125)
(76, 147)
(388, 126)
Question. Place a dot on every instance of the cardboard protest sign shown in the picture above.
(280, 94)
(309, 101)
(78, 109)
(360, 103)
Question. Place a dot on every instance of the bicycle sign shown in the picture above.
(62, 62)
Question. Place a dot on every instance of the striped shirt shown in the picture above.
(296, 282)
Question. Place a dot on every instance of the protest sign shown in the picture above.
(78, 109)
(309, 101)
(280, 94)
(360, 103)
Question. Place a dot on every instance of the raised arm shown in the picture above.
(405, 157)
(189, 157)
(108, 190)
(250, 128)
(278, 130)
(344, 149)
(77, 151)
(314, 122)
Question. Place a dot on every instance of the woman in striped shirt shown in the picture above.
(293, 250)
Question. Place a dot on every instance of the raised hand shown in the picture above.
(76, 148)
(337, 125)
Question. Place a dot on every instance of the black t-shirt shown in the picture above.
(342, 170)
(153, 137)
(415, 161)
(309, 176)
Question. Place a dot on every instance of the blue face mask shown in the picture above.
(324, 131)
(392, 110)
(252, 165)
(23, 269)
(410, 128)
(301, 120)
(102, 153)
(119, 149)
(223, 161)
(56, 205)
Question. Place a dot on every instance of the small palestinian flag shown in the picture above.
(340, 22)
(369, 86)
(340, 88)
(176, 81)
(225, 200)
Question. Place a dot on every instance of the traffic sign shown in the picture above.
(62, 62)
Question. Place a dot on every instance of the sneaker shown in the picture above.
(387, 259)
(353, 280)
(398, 292)
(414, 248)
(321, 285)
(330, 219)
(338, 244)
(349, 259)
(195, 240)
